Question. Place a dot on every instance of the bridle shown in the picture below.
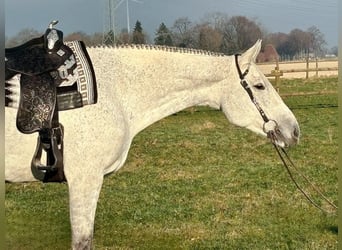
(247, 88)
(271, 132)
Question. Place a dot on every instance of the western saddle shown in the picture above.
(44, 63)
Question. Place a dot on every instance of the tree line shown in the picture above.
(216, 32)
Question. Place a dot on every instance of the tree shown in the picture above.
(216, 20)
(209, 38)
(124, 37)
(163, 36)
(183, 35)
(95, 39)
(317, 41)
(299, 43)
(277, 40)
(239, 33)
(296, 43)
(78, 36)
(334, 51)
(138, 35)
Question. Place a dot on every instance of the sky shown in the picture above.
(91, 16)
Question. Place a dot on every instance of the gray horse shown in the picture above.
(137, 86)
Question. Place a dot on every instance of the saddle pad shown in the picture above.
(86, 80)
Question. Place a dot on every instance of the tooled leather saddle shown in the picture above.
(48, 75)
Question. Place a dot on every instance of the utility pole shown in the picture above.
(108, 36)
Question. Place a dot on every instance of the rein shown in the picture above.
(271, 134)
(284, 156)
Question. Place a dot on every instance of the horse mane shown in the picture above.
(161, 48)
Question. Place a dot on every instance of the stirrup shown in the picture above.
(51, 141)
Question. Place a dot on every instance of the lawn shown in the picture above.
(194, 181)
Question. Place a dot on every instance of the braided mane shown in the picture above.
(162, 48)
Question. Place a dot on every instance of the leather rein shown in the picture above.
(271, 134)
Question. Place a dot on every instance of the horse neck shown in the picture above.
(153, 84)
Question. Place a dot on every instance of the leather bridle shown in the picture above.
(271, 134)
(246, 87)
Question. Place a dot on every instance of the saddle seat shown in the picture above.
(20, 59)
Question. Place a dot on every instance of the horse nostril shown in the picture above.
(296, 132)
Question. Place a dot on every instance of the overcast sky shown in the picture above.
(89, 15)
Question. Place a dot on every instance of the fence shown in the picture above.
(302, 69)
(287, 69)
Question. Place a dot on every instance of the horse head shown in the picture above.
(251, 102)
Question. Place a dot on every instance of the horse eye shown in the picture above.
(259, 86)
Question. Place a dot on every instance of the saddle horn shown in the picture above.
(53, 38)
(53, 23)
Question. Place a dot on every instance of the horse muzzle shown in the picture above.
(285, 136)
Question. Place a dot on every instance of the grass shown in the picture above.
(194, 181)
(309, 85)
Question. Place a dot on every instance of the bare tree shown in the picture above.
(334, 51)
(209, 38)
(317, 41)
(216, 20)
(298, 43)
(95, 39)
(240, 33)
(277, 39)
(124, 37)
(183, 33)
(78, 36)
(89, 40)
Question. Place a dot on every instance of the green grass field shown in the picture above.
(194, 181)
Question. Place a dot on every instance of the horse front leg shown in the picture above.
(84, 190)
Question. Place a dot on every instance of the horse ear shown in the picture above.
(252, 53)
